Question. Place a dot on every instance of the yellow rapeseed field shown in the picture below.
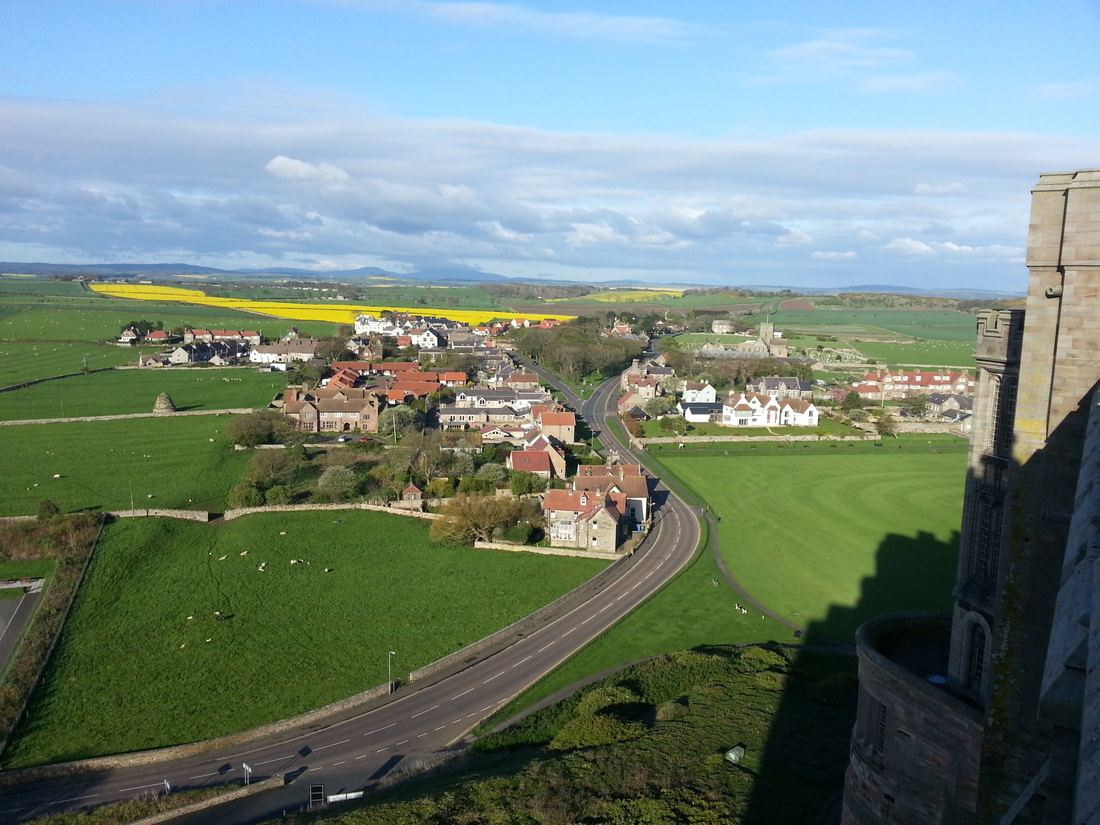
(343, 314)
(619, 296)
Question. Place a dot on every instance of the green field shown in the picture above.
(30, 361)
(134, 391)
(926, 353)
(132, 671)
(930, 324)
(830, 540)
(165, 462)
(826, 426)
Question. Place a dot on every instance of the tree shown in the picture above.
(495, 473)
(269, 468)
(334, 349)
(337, 484)
(852, 401)
(469, 518)
(885, 425)
(916, 405)
(246, 494)
(48, 510)
(521, 482)
(396, 421)
(264, 427)
(658, 405)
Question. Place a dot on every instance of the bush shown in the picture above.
(47, 510)
(590, 731)
(277, 495)
(601, 697)
(519, 533)
(470, 484)
(761, 659)
(246, 494)
(770, 680)
(266, 427)
(337, 484)
(837, 690)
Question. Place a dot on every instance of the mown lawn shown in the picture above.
(163, 462)
(20, 362)
(132, 671)
(135, 391)
(831, 539)
(826, 426)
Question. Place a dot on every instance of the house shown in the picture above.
(521, 381)
(748, 409)
(646, 386)
(157, 336)
(284, 352)
(940, 403)
(778, 386)
(535, 441)
(722, 327)
(618, 478)
(530, 461)
(700, 412)
(412, 493)
(454, 416)
(633, 405)
(583, 519)
(129, 335)
(891, 385)
(219, 354)
(559, 425)
(498, 434)
(334, 409)
(695, 391)
(210, 336)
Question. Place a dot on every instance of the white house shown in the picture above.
(694, 391)
(750, 409)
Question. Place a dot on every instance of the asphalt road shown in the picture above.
(416, 725)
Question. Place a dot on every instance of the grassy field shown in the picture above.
(830, 540)
(29, 361)
(826, 426)
(180, 462)
(930, 353)
(91, 320)
(931, 325)
(134, 391)
(133, 671)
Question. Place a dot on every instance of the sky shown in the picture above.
(787, 143)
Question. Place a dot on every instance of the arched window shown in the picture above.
(977, 646)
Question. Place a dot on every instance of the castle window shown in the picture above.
(977, 656)
(871, 724)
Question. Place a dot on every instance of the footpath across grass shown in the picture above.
(830, 539)
(105, 465)
(145, 661)
(135, 391)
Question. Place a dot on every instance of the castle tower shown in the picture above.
(1009, 733)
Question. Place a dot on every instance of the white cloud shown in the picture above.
(581, 25)
(1067, 91)
(839, 53)
(953, 188)
(795, 236)
(834, 256)
(283, 167)
(908, 246)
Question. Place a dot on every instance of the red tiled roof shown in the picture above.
(532, 462)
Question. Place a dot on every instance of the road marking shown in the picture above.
(276, 759)
(402, 742)
(334, 764)
(456, 721)
(333, 745)
(521, 661)
(647, 575)
(421, 735)
(602, 609)
(490, 707)
(429, 710)
(566, 633)
(661, 562)
(492, 677)
(139, 787)
(74, 799)
(383, 749)
(204, 775)
(635, 587)
(544, 647)
(590, 618)
(462, 694)
(364, 756)
(619, 597)
(379, 730)
(440, 727)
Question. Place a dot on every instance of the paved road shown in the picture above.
(416, 725)
(13, 617)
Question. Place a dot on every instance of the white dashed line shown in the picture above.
(590, 618)
(333, 745)
(462, 694)
(429, 710)
(402, 742)
(566, 633)
(383, 749)
(441, 727)
(364, 756)
(602, 609)
(139, 787)
(492, 677)
(276, 759)
(521, 661)
(421, 735)
(379, 730)
(204, 775)
(334, 764)
(73, 799)
(543, 648)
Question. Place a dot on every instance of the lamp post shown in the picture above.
(389, 668)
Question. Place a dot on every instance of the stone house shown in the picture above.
(337, 410)
(530, 461)
(559, 425)
(284, 352)
(584, 520)
(778, 386)
(626, 479)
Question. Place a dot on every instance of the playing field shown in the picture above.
(179, 462)
(134, 671)
(135, 391)
(830, 540)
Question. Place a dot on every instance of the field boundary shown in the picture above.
(31, 383)
(123, 416)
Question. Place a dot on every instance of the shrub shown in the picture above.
(601, 697)
(246, 494)
(337, 483)
(760, 659)
(590, 731)
(770, 680)
(47, 510)
(277, 495)
(837, 690)
(519, 533)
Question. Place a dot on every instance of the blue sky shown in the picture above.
(788, 143)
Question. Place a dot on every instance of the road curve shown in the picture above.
(416, 724)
